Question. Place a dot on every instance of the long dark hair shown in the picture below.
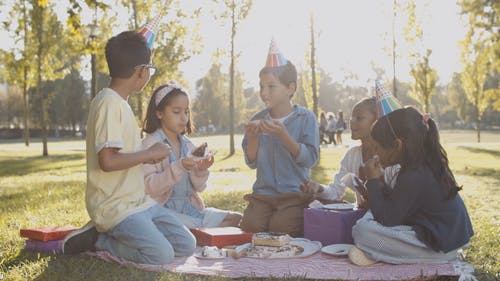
(421, 144)
(151, 123)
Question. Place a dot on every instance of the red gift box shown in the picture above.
(221, 236)
(48, 233)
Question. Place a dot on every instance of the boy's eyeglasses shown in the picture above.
(152, 68)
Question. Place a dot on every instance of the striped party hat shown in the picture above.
(149, 30)
(386, 102)
(275, 57)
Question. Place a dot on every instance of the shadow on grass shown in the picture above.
(495, 153)
(481, 172)
(30, 164)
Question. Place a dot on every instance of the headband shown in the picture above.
(170, 86)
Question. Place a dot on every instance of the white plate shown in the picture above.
(337, 249)
(199, 256)
(339, 206)
(310, 248)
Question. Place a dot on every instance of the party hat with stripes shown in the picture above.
(386, 102)
(275, 57)
(149, 30)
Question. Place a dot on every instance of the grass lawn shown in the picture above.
(37, 191)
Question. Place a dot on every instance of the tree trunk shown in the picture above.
(93, 82)
(313, 69)
(139, 95)
(394, 89)
(39, 85)
(231, 84)
(478, 126)
(26, 109)
(25, 82)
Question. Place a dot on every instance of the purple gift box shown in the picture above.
(330, 226)
(53, 246)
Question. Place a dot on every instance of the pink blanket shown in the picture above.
(317, 266)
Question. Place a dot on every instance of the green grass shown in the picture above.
(37, 191)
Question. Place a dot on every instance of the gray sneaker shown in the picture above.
(80, 240)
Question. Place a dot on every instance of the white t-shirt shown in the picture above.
(112, 196)
(351, 162)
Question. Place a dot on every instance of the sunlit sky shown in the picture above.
(351, 35)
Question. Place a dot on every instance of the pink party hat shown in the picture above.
(275, 57)
(149, 30)
(386, 102)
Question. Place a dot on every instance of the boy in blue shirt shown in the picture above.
(281, 142)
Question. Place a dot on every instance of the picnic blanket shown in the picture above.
(317, 266)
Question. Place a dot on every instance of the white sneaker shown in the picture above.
(80, 240)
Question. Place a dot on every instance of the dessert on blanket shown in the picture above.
(286, 251)
(275, 239)
(272, 245)
(213, 252)
(200, 150)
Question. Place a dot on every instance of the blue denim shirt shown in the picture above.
(277, 170)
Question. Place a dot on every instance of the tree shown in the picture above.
(484, 16)
(424, 83)
(424, 77)
(458, 99)
(476, 66)
(49, 65)
(20, 59)
(69, 106)
(212, 102)
(169, 49)
(11, 107)
(237, 10)
(207, 105)
(481, 45)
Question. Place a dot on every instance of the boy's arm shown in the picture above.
(251, 141)
(251, 149)
(111, 159)
(279, 130)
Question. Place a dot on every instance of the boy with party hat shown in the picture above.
(281, 142)
(124, 220)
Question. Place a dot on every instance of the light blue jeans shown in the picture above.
(152, 236)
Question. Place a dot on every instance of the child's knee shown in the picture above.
(159, 255)
(189, 245)
(185, 246)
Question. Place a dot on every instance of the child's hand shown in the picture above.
(205, 163)
(361, 189)
(157, 152)
(274, 127)
(253, 128)
(308, 186)
(372, 168)
(188, 163)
